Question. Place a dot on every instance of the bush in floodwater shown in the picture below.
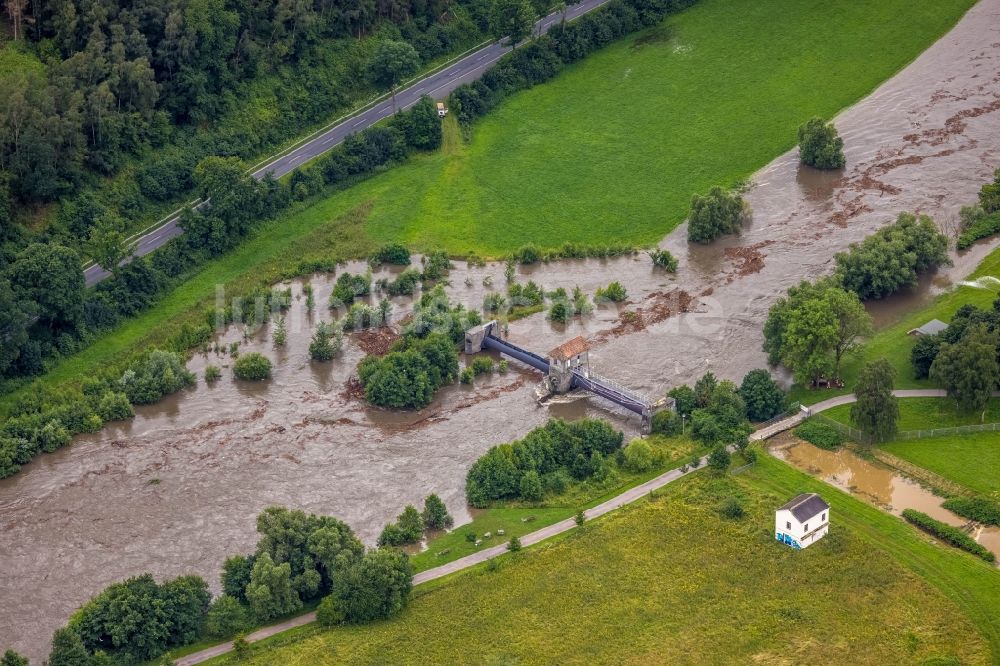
(559, 312)
(405, 283)
(495, 302)
(820, 146)
(326, 342)
(614, 292)
(714, 214)
(436, 265)
(252, 367)
(212, 373)
(482, 365)
(663, 259)
(348, 287)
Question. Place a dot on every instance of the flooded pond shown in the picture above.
(177, 489)
(876, 483)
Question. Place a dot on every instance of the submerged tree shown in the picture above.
(820, 146)
(714, 214)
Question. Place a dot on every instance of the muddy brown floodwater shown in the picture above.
(177, 489)
(875, 483)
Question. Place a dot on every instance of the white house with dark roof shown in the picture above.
(802, 521)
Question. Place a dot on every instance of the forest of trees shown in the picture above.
(143, 90)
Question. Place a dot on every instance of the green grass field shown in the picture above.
(924, 413)
(970, 460)
(615, 146)
(894, 344)
(670, 581)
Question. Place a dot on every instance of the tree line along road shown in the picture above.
(436, 85)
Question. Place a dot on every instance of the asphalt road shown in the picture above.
(437, 86)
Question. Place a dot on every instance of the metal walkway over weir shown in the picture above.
(564, 374)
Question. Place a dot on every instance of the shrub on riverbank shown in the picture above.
(763, 397)
(820, 434)
(408, 528)
(980, 509)
(139, 619)
(435, 513)
(391, 253)
(552, 452)
(947, 533)
(158, 374)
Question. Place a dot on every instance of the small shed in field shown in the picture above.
(932, 327)
(802, 521)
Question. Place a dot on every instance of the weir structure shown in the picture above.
(567, 367)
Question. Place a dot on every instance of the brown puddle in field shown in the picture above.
(177, 489)
(875, 483)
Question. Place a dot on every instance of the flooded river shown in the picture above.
(177, 489)
(875, 483)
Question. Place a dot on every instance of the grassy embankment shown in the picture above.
(926, 413)
(612, 149)
(670, 580)
(520, 518)
(894, 344)
(972, 461)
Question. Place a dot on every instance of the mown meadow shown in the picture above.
(970, 460)
(615, 146)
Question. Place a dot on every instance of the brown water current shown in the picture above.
(177, 489)
(875, 483)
